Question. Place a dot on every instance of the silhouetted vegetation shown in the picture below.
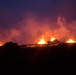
(59, 59)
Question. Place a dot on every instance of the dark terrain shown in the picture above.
(60, 59)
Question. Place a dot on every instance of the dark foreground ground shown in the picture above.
(55, 60)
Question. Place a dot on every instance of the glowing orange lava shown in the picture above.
(70, 41)
(42, 41)
(52, 39)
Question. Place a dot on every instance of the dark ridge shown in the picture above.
(57, 59)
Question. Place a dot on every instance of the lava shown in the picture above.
(52, 39)
(70, 41)
(42, 41)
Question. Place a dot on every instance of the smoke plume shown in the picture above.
(31, 29)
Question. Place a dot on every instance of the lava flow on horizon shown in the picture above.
(70, 41)
(42, 41)
(52, 39)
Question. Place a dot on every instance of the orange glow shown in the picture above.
(1, 44)
(70, 41)
(42, 41)
(52, 39)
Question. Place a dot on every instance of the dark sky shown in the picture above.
(14, 11)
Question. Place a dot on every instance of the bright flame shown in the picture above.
(52, 39)
(70, 41)
(42, 41)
